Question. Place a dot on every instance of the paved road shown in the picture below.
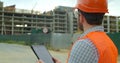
(12, 53)
(16, 54)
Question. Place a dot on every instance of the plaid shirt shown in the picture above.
(84, 51)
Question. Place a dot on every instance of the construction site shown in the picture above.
(61, 20)
(51, 27)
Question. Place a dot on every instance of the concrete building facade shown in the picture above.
(111, 23)
(61, 20)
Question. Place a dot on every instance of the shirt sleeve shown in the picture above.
(83, 51)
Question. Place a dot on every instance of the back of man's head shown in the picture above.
(92, 10)
(93, 18)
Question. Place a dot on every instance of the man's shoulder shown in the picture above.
(85, 42)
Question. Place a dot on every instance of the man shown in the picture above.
(93, 46)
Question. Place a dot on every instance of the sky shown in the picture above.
(46, 5)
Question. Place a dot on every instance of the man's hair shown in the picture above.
(93, 18)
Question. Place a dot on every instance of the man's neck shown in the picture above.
(88, 27)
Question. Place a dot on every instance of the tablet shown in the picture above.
(42, 53)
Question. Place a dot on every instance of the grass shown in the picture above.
(14, 42)
(24, 43)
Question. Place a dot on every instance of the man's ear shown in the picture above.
(81, 18)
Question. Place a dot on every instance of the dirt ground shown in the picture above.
(62, 55)
(13, 53)
(119, 59)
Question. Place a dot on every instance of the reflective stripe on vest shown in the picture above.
(108, 52)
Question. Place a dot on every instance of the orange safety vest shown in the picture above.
(108, 52)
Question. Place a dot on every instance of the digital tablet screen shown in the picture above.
(42, 53)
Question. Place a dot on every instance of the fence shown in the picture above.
(116, 39)
(30, 39)
(59, 40)
(55, 40)
(18, 38)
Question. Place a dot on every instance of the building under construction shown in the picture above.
(60, 20)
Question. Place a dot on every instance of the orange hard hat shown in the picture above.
(92, 6)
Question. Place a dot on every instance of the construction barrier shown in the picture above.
(61, 41)
(116, 39)
(55, 40)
